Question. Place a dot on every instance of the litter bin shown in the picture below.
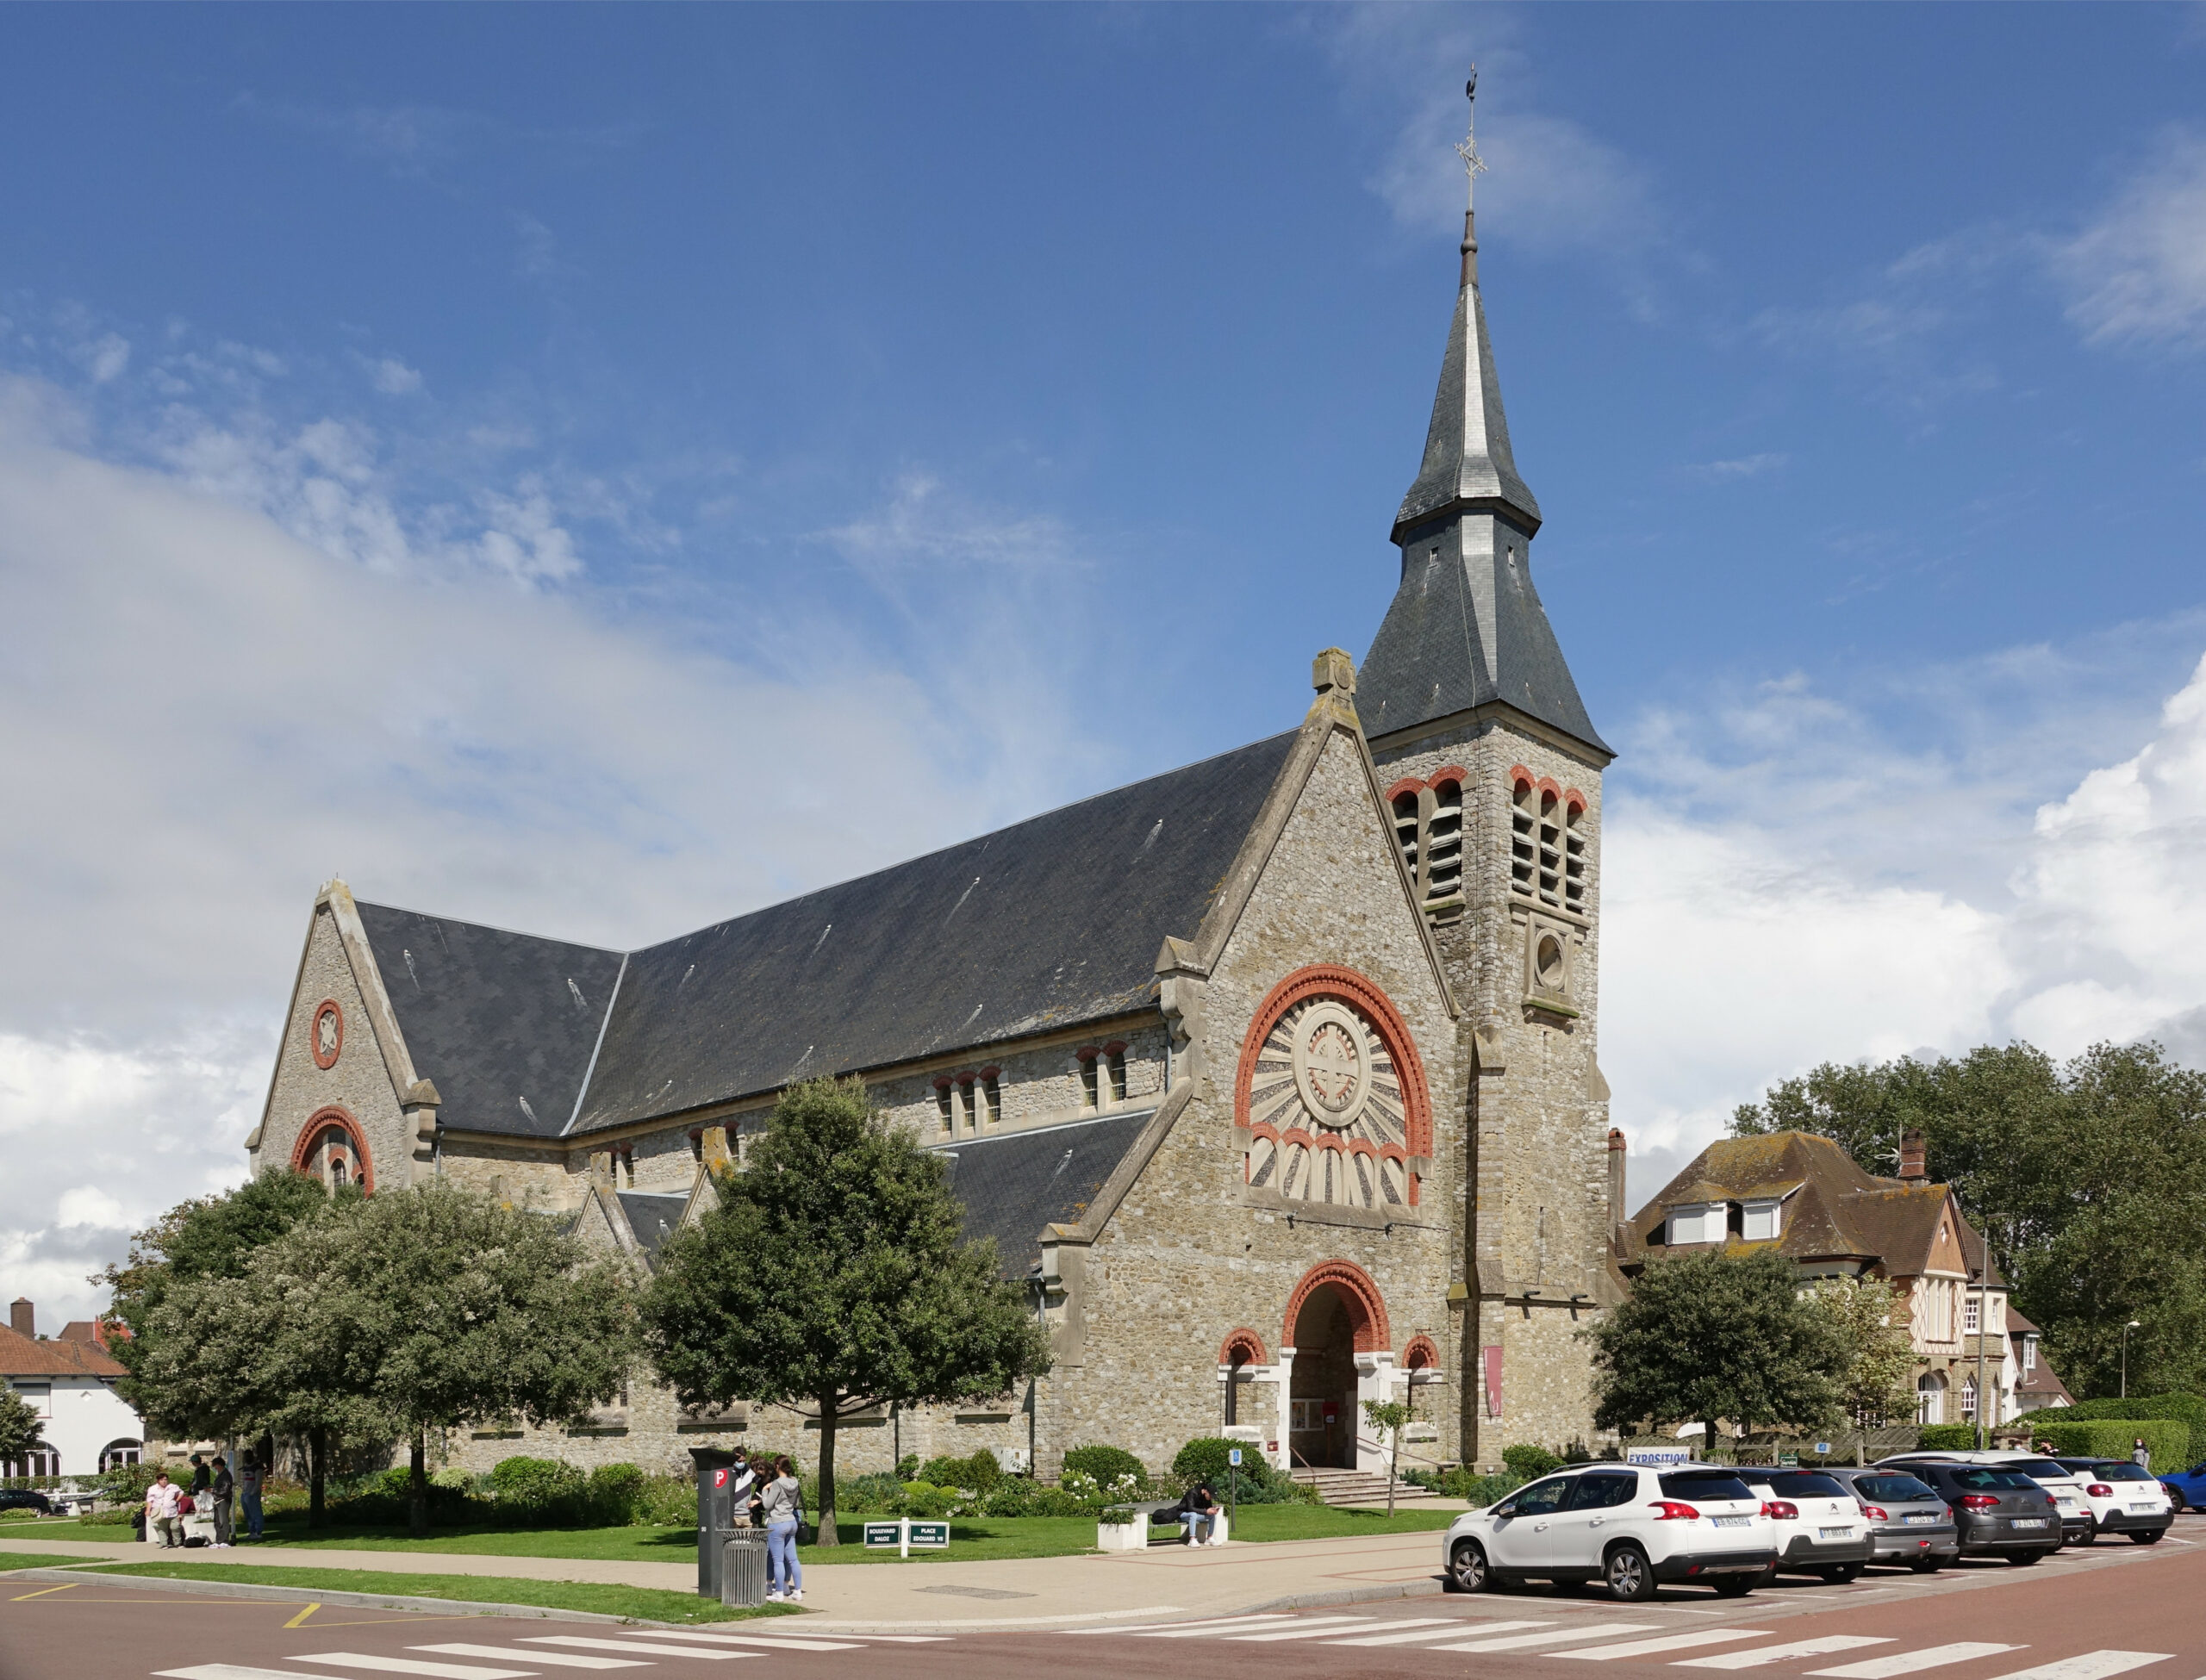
(743, 1568)
(716, 1514)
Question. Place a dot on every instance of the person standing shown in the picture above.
(162, 1527)
(201, 1476)
(250, 1478)
(2140, 1455)
(780, 1505)
(220, 1490)
(742, 1492)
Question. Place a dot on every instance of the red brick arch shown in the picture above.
(1366, 1308)
(1247, 1344)
(1329, 980)
(1420, 1354)
(322, 1120)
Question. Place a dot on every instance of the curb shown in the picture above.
(378, 1601)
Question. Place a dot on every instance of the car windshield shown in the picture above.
(2123, 1472)
(1895, 1488)
(1974, 1476)
(1806, 1484)
(1704, 1484)
(2037, 1467)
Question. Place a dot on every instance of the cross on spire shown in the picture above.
(1468, 147)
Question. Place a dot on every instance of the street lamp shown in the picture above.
(2126, 1329)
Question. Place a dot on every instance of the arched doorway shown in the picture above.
(1336, 1314)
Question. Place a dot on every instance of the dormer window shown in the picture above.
(1760, 1222)
(988, 1097)
(1114, 1074)
(1701, 1223)
(2029, 1353)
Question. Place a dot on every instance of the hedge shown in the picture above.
(2188, 1409)
(2168, 1441)
(1948, 1438)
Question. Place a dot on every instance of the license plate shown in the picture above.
(1833, 1533)
(1921, 1516)
(2143, 1510)
(1730, 1522)
(2029, 1521)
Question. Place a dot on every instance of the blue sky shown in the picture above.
(598, 468)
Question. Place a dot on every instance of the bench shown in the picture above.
(1137, 1528)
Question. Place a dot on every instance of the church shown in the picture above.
(1274, 1077)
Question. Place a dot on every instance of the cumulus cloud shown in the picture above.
(393, 377)
(2138, 273)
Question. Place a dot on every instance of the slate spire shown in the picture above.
(1466, 628)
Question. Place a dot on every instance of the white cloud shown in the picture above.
(1743, 466)
(2138, 272)
(106, 357)
(393, 377)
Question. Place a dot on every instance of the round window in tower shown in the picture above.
(1547, 963)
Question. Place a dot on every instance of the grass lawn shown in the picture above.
(644, 1603)
(34, 1560)
(971, 1538)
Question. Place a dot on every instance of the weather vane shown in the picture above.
(1468, 147)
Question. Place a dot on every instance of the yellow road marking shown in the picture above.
(42, 1591)
(302, 1615)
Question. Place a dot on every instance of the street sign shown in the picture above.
(882, 1534)
(1788, 1460)
(929, 1534)
(1822, 1449)
(1233, 1455)
(904, 1534)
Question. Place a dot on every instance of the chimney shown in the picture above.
(20, 1318)
(1616, 1183)
(1911, 1169)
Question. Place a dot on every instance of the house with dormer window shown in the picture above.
(1802, 1195)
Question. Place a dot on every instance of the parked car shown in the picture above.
(1820, 1527)
(1626, 1526)
(2066, 1492)
(1998, 1512)
(1909, 1522)
(2186, 1488)
(2124, 1499)
(25, 1499)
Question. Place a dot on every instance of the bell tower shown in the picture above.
(1493, 773)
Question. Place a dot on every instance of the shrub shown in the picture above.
(1017, 1495)
(863, 1495)
(908, 1467)
(1527, 1461)
(2188, 1408)
(1252, 1482)
(975, 1475)
(1948, 1438)
(669, 1501)
(2167, 1439)
(615, 1492)
(1107, 1466)
(451, 1477)
(1464, 1483)
(542, 1490)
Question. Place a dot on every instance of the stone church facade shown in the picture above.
(1272, 1078)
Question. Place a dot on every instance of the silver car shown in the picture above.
(1909, 1522)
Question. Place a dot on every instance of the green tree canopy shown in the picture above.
(20, 1428)
(2088, 1180)
(833, 1275)
(1874, 1373)
(1708, 1335)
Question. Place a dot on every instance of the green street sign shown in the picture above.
(882, 1534)
(929, 1534)
(1788, 1459)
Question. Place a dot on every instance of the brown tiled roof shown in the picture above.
(95, 1332)
(19, 1356)
(1834, 1211)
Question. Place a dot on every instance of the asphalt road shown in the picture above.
(2081, 1615)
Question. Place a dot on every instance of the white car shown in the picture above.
(2066, 1492)
(1821, 1528)
(1626, 1526)
(2124, 1499)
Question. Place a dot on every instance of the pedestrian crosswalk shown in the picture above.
(1588, 1639)
(548, 1656)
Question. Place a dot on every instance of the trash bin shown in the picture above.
(743, 1568)
(716, 1514)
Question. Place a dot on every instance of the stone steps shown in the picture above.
(1356, 1487)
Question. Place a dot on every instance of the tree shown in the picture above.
(834, 1274)
(1708, 1335)
(1875, 1363)
(21, 1431)
(1394, 1417)
(2088, 1181)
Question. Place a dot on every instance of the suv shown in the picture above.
(1997, 1511)
(1909, 1522)
(1820, 1527)
(25, 1499)
(2124, 1499)
(2064, 1491)
(1626, 1526)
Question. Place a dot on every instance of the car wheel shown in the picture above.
(1468, 1570)
(1838, 1573)
(2090, 1536)
(2176, 1501)
(1734, 1586)
(1927, 1565)
(2147, 1536)
(2024, 1559)
(1627, 1575)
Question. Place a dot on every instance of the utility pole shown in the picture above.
(2126, 1329)
(1982, 1329)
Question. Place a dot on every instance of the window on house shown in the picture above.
(2029, 1353)
(337, 1176)
(1930, 1398)
(1405, 827)
(1971, 1311)
(1968, 1398)
(1114, 1071)
(1443, 842)
(1696, 1224)
(1090, 1091)
(968, 1106)
(991, 1099)
(1760, 1222)
(945, 1107)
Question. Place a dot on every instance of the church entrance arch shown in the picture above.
(1334, 1314)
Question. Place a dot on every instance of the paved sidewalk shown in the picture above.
(1023, 1592)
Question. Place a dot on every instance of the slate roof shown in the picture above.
(1049, 923)
(651, 1217)
(1833, 1210)
(1014, 1184)
(22, 1356)
(1466, 632)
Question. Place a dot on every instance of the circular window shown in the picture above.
(328, 1033)
(1547, 964)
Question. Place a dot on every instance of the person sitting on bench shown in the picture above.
(1199, 1510)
